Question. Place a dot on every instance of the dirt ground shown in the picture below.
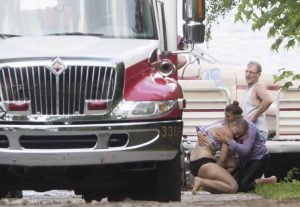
(202, 199)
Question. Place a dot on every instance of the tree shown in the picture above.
(214, 9)
(281, 16)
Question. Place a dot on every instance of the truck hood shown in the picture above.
(130, 51)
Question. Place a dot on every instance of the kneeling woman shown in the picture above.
(207, 172)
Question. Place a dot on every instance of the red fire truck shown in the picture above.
(89, 96)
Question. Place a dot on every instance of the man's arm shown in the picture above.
(266, 101)
(244, 148)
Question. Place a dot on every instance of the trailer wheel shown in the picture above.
(168, 180)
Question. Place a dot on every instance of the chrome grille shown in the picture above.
(50, 94)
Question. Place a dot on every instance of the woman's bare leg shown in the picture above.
(199, 182)
(215, 179)
(231, 163)
(196, 185)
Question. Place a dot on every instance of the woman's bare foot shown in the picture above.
(197, 185)
(271, 180)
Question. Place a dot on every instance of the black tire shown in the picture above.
(168, 178)
(11, 194)
(16, 194)
(182, 166)
(90, 196)
(186, 176)
(115, 198)
(3, 194)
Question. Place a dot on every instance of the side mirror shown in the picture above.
(194, 31)
(193, 13)
(193, 10)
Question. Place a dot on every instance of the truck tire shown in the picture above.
(186, 176)
(168, 186)
(89, 196)
(182, 167)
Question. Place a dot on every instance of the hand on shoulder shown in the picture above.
(222, 138)
(203, 139)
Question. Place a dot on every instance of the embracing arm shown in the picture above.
(202, 137)
(245, 148)
(201, 129)
(248, 140)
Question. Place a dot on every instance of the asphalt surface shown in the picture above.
(202, 199)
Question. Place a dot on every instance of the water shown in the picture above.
(235, 44)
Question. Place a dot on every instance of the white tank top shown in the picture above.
(250, 108)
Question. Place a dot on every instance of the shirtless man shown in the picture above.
(256, 99)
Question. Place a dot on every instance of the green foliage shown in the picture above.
(215, 9)
(282, 17)
(288, 77)
(290, 177)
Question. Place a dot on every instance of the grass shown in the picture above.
(280, 191)
(288, 188)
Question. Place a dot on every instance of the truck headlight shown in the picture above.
(144, 109)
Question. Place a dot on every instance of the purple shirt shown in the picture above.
(252, 148)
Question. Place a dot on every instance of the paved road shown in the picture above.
(203, 199)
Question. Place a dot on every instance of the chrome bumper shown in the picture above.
(273, 146)
(161, 145)
(283, 146)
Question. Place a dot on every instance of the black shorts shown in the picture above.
(196, 164)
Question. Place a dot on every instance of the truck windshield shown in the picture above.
(102, 18)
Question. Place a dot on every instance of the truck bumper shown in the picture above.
(147, 141)
(283, 146)
(273, 146)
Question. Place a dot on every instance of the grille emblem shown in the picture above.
(58, 66)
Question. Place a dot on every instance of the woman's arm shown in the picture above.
(244, 148)
(202, 137)
(223, 155)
